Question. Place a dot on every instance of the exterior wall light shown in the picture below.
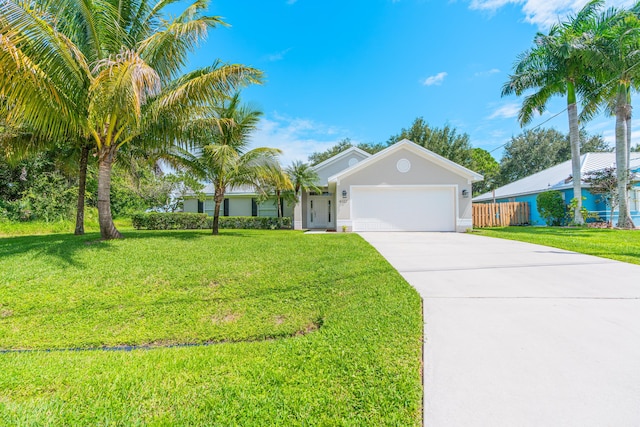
(344, 194)
(465, 193)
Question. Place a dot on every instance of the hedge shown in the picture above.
(190, 221)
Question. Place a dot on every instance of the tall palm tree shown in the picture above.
(220, 154)
(108, 72)
(275, 181)
(556, 65)
(616, 50)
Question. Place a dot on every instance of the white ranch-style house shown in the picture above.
(404, 187)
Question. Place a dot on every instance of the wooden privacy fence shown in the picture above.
(500, 214)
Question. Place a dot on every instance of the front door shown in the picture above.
(320, 212)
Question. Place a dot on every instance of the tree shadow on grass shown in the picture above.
(64, 247)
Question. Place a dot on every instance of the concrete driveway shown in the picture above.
(520, 334)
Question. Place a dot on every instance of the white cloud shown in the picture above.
(278, 55)
(506, 111)
(542, 13)
(487, 72)
(435, 80)
(296, 137)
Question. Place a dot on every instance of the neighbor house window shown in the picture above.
(254, 207)
(225, 207)
(329, 206)
(200, 206)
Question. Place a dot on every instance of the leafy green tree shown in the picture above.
(108, 72)
(539, 149)
(551, 207)
(221, 154)
(556, 65)
(35, 188)
(446, 142)
(483, 162)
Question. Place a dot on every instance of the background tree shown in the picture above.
(108, 75)
(556, 65)
(446, 142)
(539, 149)
(483, 162)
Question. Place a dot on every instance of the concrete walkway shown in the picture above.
(520, 334)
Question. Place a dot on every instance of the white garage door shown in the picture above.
(399, 208)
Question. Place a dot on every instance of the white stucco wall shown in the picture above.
(423, 172)
(337, 166)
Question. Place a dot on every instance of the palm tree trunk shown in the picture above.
(105, 161)
(624, 218)
(278, 203)
(82, 187)
(218, 199)
(574, 140)
(628, 124)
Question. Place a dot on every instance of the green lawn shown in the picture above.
(311, 330)
(11, 228)
(621, 245)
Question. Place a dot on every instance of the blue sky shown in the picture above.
(364, 69)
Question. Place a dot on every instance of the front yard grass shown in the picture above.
(621, 245)
(311, 330)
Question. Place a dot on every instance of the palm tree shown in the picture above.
(220, 154)
(616, 50)
(556, 65)
(303, 177)
(108, 72)
(275, 181)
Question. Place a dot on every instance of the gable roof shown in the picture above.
(416, 149)
(339, 156)
(557, 177)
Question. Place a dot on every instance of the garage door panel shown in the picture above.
(403, 208)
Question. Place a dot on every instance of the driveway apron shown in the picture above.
(522, 335)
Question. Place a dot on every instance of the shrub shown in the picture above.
(551, 207)
(187, 220)
(252, 222)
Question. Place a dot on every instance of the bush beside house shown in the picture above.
(551, 207)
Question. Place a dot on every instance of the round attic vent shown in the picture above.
(403, 165)
(353, 161)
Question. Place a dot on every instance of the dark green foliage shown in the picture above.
(446, 142)
(483, 162)
(133, 191)
(36, 189)
(319, 157)
(551, 207)
(190, 221)
(170, 221)
(539, 149)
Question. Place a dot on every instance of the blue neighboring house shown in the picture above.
(559, 178)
